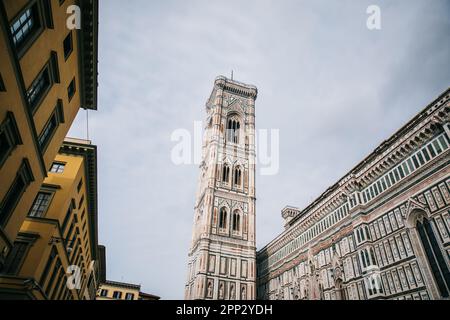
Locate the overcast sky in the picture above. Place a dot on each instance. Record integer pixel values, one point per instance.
(334, 88)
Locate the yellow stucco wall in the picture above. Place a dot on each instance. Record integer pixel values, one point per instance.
(65, 188)
(31, 63)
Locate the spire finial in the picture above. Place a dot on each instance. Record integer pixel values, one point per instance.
(231, 74)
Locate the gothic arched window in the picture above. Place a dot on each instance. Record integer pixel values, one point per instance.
(225, 173)
(237, 176)
(223, 218)
(236, 221)
(435, 257)
(340, 293)
(243, 293)
(233, 127)
(209, 292)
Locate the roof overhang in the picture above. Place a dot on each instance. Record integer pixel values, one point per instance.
(88, 53)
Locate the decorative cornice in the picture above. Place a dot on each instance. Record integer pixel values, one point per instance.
(236, 87)
(88, 53)
(122, 285)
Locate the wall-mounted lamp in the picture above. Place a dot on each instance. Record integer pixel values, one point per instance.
(55, 240)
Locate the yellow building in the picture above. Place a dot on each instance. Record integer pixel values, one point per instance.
(112, 290)
(58, 239)
(47, 73)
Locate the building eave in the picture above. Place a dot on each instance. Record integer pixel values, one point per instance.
(122, 285)
(88, 53)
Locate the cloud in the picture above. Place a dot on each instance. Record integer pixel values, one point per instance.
(333, 88)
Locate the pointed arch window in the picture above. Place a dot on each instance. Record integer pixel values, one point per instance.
(236, 221)
(237, 176)
(225, 173)
(223, 218)
(435, 257)
(233, 127)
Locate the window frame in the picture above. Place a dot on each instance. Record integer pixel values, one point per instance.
(59, 165)
(69, 53)
(58, 117)
(233, 129)
(41, 211)
(39, 27)
(51, 71)
(72, 86)
(237, 177)
(17, 255)
(128, 295)
(223, 222)
(226, 173)
(236, 222)
(11, 133)
(12, 197)
(80, 185)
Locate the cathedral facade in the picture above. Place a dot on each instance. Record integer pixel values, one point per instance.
(222, 256)
(380, 232)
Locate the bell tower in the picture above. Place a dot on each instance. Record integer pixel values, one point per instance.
(222, 256)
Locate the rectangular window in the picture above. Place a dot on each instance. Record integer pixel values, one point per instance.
(54, 68)
(129, 296)
(400, 170)
(431, 150)
(117, 295)
(47, 267)
(397, 177)
(81, 202)
(391, 175)
(43, 82)
(388, 182)
(68, 215)
(80, 185)
(68, 45)
(23, 179)
(47, 6)
(405, 168)
(443, 142)
(383, 184)
(104, 293)
(380, 189)
(40, 204)
(425, 153)
(38, 88)
(52, 124)
(410, 165)
(375, 189)
(16, 257)
(71, 89)
(57, 167)
(9, 137)
(437, 146)
(25, 26)
(416, 163)
(420, 157)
